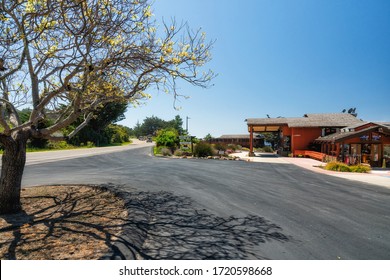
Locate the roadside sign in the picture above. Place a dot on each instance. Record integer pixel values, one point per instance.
(185, 142)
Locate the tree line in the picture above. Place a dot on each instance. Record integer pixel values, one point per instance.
(151, 125)
(101, 130)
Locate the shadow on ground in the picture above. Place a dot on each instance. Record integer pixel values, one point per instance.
(68, 222)
(80, 222)
(166, 226)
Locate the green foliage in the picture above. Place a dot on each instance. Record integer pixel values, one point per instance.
(101, 130)
(166, 151)
(177, 124)
(203, 149)
(234, 147)
(339, 166)
(272, 138)
(220, 146)
(265, 149)
(152, 124)
(180, 153)
(117, 133)
(59, 145)
(168, 137)
(360, 168)
(162, 150)
(24, 116)
(208, 137)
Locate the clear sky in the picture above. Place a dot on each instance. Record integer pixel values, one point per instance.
(282, 58)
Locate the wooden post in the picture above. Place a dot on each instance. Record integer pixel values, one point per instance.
(292, 142)
(251, 153)
(337, 151)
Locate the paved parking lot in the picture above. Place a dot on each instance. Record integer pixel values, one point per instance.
(380, 177)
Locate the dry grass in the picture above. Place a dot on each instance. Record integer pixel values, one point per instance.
(62, 222)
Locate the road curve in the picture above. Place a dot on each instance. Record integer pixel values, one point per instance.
(201, 209)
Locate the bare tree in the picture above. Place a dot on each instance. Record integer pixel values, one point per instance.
(66, 58)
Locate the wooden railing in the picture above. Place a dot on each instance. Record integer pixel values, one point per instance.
(311, 154)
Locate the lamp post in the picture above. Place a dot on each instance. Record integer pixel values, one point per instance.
(187, 118)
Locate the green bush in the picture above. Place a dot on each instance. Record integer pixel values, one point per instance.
(360, 168)
(220, 147)
(90, 144)
(60, 145)
(342, 167)
(168, 138)
(232, 147)
(180, 153)
(203, 149)
(162, 150)
(166, 151)
(337, 166)
(265, 149)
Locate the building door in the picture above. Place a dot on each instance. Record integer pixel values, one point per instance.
(366, 153)
(356, 154)
(375, 155)
(386, 155)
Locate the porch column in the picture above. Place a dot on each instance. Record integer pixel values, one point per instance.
(292, 147)
(382, 160)
(332, 150)
(251, 153)
(337, 151)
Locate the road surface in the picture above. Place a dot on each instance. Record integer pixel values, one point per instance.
(210, 209)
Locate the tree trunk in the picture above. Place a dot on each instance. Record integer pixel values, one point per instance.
(13, 162)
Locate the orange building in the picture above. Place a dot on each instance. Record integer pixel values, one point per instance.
(239, 139)
(327, 136)
(367, 143)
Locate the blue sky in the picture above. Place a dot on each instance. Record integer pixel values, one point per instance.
(282, 58)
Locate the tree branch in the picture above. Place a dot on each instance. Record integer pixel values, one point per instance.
(81, 126)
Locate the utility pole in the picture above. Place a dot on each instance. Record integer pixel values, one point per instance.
(187, 118)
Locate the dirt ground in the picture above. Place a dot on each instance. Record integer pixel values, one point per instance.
(62, 222)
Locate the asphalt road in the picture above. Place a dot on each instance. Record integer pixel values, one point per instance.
(210, 209)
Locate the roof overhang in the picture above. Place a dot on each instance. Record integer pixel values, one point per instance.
(342, 136)
(264, 128)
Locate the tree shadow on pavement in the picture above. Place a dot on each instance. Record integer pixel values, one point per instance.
(165, 226)
(63, 223)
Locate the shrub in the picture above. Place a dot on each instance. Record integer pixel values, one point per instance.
(180, 153)
(90, 144)
(162, 150)
(203, 149)
(167, 137)
(59, 145)
(265, 149)
(232, 147)
(165, 151)
(360, 168)
(337, 166)
(220, 147)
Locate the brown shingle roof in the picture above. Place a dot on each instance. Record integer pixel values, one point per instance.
(238, 136)
(336, 137)
(235, 136)
(310, 120)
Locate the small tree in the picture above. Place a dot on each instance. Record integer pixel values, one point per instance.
(68, 58)
(168, 137)
(208, 138)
